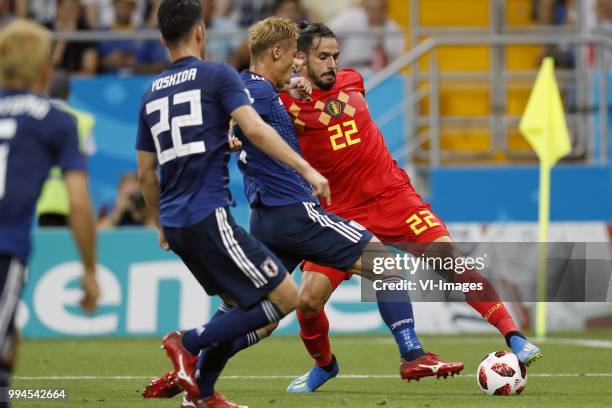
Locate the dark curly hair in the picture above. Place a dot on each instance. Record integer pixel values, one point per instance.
(310, 31)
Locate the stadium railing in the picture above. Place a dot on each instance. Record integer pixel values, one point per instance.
(413, 94)
(585, 87)
(216, 35)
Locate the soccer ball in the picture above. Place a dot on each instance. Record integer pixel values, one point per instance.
(501, 373)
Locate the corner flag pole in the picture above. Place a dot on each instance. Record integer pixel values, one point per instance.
(543, 125)
(543, 223)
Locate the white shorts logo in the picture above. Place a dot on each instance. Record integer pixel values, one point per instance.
(269, 267)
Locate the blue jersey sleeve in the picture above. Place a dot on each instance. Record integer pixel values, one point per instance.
(144, 138)
(263, 96)
(66, 140)
(231, 89)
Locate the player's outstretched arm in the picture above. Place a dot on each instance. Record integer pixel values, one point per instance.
(83, 228)
(270, 142)
(149, 184)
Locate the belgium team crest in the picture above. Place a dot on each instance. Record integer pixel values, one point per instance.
(334, 108)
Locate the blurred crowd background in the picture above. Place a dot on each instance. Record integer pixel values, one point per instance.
(229, 19)
(100, 41)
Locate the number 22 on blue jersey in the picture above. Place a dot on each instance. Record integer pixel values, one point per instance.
(174, 125)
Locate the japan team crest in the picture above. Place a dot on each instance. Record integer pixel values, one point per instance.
(269, 267)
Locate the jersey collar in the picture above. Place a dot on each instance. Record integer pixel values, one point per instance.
(249, 72)
(184, 60)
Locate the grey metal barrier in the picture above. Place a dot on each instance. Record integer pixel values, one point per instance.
(413, 94)
(496, 35)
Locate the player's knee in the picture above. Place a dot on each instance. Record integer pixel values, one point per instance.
(310, 302)
(443, 249)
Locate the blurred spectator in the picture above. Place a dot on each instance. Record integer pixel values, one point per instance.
(10, 9)
(75, 57)
(565, 12)
(293, 10)
(556, 12)
(559, 12)
(240, 58)
(218, 49)
(130, 208)
(604, 14)
(371, 52)
(604, 22)
(247, 12)
(101, 13)
(324, 10)
(7, 12)
(53, 205)
(152, 7)
(130, 56)
(43, 11)
(597, 16)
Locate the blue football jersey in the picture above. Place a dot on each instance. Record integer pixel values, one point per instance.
(184, 118)
(34, 136)
(268, 181)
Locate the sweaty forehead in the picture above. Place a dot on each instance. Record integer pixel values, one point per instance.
(327, 45)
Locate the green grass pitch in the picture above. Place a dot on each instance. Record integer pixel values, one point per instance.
(111, 373)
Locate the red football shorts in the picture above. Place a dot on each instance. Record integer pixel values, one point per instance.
(395, 216)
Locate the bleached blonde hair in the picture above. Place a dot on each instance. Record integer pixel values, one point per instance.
(25, 51)
(272, 30)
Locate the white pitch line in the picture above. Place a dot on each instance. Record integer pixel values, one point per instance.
(278, 377)
(591, 343)
(606, 344)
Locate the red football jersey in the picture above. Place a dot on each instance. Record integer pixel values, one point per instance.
(339, 138)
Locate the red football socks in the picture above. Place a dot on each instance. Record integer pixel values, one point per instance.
(496, 314)
(314, 331)
(487, 303)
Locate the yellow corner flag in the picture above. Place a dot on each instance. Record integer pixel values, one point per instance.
(543, 125)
